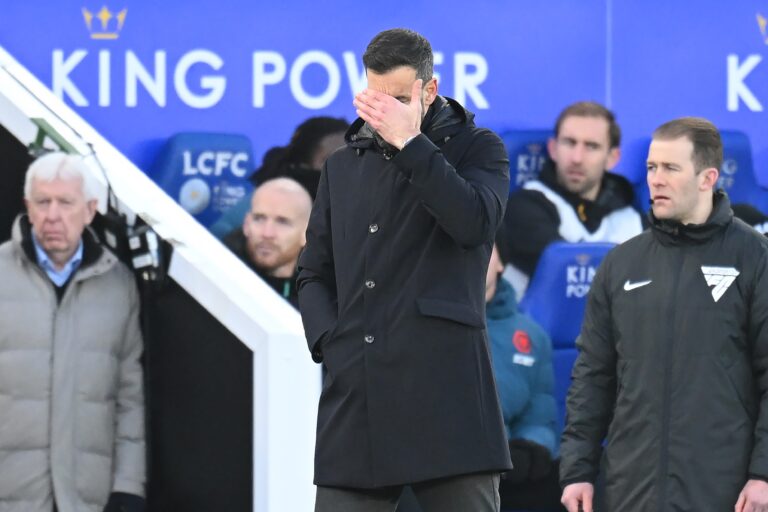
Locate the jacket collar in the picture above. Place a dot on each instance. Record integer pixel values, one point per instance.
(96, 259)
(672, 232)
(615, 193)
(444, 118)
(503, 304)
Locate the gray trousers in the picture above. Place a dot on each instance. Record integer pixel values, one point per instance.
(476, 493)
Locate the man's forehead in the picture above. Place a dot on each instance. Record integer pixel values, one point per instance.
(402, 77)
(588, 127)
(57, 186)
(275, 204)
(680, 148)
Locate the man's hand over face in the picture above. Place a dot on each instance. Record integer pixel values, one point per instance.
(394, 121)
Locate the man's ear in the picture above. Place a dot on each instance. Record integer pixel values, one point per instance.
(90, 210)
(614, 155)
(430, 91)
(551, 147)
(709, 178)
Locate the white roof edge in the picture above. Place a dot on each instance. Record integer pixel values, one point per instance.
(210, 272)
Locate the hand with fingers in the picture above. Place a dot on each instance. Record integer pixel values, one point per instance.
(753, 498)
(394, 121)
(576, 495)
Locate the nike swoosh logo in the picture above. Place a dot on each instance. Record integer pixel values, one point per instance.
(628, 286)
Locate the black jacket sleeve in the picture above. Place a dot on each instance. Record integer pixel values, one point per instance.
(468, 201)
(592, 394)
(317, 280)
(531, 223)
(758, 338)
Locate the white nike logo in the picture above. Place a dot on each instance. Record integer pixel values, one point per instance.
(628, 286)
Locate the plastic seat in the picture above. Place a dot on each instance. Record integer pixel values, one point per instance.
(556, 298)
(527, 150)
(737, 175)
(206, 173)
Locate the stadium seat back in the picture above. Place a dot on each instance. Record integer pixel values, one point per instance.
(206, 173)
(557, 293)
(556, 298)
(527, 150)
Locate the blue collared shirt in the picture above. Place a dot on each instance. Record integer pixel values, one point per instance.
(58, 277)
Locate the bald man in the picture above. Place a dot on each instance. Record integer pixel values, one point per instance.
(273, 234)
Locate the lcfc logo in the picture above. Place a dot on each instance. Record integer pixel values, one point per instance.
(104, 24)
(762, 22)
(195, 196)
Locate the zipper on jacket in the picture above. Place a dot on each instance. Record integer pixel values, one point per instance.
(666, 393)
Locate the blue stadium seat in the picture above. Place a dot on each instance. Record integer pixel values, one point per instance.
(527, 151)
(737, 175)
(556, 298)
(206, 173)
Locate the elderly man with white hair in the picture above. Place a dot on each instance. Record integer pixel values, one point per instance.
(71, 396)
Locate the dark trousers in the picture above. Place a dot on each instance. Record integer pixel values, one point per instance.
(477, 492)
(536, 496)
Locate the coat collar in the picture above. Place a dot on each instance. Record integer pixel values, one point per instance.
(671, 232)
(96, 258)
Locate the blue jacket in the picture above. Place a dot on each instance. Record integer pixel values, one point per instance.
(522, 362)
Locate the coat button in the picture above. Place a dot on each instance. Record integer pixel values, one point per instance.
(373, 228)
(368, 338)
(370, 284)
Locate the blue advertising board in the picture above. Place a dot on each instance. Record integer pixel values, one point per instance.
(141, 71)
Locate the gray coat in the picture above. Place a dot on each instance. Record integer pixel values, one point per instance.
(71, 398)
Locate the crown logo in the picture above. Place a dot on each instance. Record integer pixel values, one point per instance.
(762, 22)
(583, 259)
(534, 148)
(102, 28)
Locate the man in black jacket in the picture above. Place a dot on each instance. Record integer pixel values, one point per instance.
(391, 289)
(673, 363)
(576, 198)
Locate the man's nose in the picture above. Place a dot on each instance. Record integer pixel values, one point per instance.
(53, 212)
(268, 229)
(577, 155)
(655, 179)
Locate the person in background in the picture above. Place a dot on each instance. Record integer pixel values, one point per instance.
(521, 352)
(751, 216)
(71, 385)
(302, 160)
(273, 234)
(576, 198)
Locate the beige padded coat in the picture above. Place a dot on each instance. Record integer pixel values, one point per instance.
(71, 397)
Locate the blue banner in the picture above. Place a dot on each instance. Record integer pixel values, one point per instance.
(141, 71)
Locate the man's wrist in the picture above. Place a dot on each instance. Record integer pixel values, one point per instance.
(408, 139)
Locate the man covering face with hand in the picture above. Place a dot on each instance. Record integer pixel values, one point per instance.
(391, 289)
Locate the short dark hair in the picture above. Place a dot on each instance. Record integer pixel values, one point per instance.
(591, 109)
(308, 136)
(399, 47)
(705, 137)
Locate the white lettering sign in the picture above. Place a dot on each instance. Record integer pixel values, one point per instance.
(214, 163)
(737, 89)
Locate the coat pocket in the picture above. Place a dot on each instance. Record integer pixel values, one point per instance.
(450, 310)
